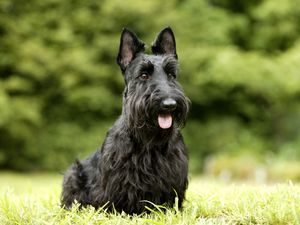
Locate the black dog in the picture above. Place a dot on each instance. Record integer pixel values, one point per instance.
(143, 159)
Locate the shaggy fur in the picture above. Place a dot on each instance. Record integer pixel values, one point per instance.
(139, 162)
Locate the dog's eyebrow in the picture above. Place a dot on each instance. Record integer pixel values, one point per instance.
(146, 66)
(170, 64)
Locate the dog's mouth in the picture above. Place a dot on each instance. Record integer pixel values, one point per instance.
(165, 121)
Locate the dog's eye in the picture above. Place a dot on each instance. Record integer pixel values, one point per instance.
(172, 75)
(144, 76)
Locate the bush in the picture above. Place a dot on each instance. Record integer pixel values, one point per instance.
(59, 80)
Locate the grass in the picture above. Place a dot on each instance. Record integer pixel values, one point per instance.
(34, 199)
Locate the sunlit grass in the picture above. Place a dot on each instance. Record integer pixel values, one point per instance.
(34, 199)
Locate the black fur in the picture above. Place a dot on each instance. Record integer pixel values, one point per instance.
(139, 162)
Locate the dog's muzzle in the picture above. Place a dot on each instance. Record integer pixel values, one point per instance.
(165, 119)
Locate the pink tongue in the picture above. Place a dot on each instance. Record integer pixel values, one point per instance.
(165, 121)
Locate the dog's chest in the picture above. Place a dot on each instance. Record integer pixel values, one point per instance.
(147, 170)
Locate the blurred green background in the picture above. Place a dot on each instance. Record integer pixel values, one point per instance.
(60, 88)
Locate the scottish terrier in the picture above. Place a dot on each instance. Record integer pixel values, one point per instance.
(143, 160)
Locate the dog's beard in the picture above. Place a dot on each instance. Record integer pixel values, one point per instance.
(142, 108)
(146, 115)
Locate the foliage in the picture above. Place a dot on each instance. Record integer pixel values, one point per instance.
(208, 202)
(60, 88)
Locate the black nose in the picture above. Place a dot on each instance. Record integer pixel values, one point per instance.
(169, 104)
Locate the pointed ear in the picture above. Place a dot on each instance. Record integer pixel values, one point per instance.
(130, 45)
(165, 43)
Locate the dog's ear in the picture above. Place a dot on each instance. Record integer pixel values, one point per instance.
(165, 43)
(130, 45)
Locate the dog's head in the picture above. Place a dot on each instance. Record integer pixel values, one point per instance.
(153, 98)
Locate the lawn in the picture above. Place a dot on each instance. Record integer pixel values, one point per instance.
(34, 199)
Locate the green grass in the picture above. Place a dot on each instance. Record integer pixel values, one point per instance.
(34, 199)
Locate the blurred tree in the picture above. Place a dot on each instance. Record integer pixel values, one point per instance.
(60, 88)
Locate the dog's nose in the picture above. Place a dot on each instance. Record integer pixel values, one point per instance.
(169, 104)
